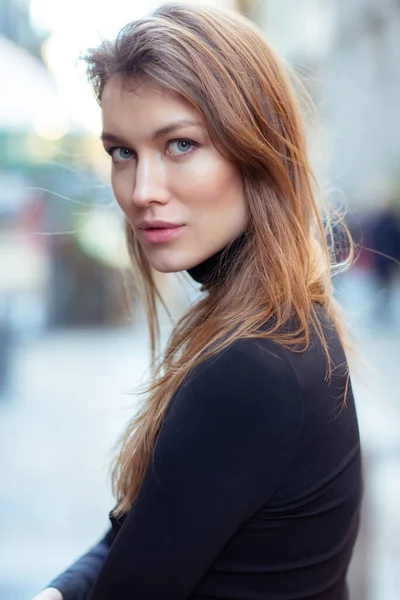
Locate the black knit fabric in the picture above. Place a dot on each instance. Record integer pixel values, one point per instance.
(215, 268)
(254, 489)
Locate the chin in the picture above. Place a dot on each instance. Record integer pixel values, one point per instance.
(171, 265)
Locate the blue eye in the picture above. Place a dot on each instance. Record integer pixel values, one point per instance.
(182, 147)
(120, 154)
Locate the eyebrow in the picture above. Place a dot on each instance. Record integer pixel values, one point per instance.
(110, 137)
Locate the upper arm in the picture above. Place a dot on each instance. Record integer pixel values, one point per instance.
(224, 446)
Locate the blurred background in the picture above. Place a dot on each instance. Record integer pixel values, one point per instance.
(71, 345)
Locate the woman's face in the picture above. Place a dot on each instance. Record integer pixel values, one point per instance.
(182, 198)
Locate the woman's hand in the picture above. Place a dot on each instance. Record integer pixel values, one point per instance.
(49, 594)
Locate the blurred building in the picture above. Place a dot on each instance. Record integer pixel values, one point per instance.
(15, 25)
(362, 82)
(47, 169)
(347, 53)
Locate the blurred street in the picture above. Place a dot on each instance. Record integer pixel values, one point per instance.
(67, 404)
(64, 411)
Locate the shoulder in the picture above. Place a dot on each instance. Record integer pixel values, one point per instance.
(250, 377)
(260, 358)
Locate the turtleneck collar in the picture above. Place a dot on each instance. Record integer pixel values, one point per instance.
(214, 268)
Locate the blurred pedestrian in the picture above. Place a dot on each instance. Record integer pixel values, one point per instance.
(241, 475)
(385, 242)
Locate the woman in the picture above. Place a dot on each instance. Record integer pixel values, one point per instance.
(241, 476)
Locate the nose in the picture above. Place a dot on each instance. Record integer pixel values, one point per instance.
(150, 183)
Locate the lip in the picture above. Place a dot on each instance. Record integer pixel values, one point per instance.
(157, 224)
(160, 232)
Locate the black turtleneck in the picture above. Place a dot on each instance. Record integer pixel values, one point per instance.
(254, 487)
(214, 267)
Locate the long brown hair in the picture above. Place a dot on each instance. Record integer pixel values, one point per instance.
(221, 63)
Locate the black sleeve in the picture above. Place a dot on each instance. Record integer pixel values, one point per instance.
(224, 447)
(76, 582)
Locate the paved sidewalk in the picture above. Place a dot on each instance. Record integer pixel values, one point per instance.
(67, 407)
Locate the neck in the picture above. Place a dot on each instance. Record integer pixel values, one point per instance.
(214, 269)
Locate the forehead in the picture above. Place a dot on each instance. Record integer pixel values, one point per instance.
(142, 103)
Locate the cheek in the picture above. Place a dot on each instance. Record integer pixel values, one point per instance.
(207, 183)
(122, 187)
(223, 189)
(229, 202)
